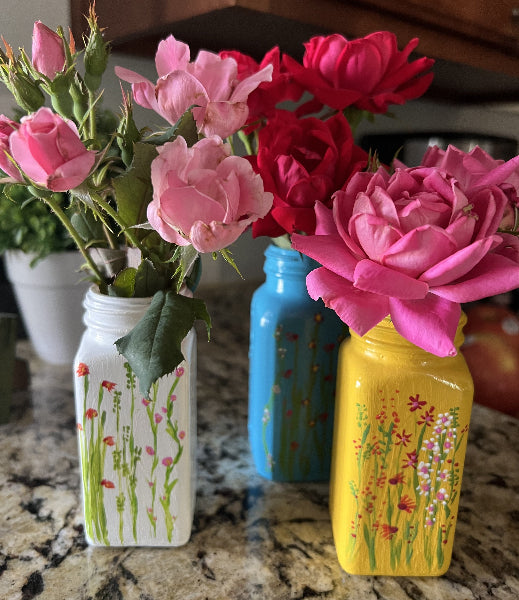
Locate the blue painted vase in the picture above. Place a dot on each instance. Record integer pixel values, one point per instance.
(293, 350)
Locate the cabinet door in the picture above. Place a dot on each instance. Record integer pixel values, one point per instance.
(486, 21)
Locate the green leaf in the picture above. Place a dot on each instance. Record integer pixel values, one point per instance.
(133, 189)
(186, 257)
(147, 280)
(124, 284)
(153, 347)
(88, 227)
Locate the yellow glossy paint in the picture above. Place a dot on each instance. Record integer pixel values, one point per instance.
(401, 427)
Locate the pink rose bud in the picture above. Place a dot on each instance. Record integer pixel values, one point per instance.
(49, 151)
(203, 196)
(48, 55)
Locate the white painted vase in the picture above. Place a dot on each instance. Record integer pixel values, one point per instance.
(138, 455)
(49, 296)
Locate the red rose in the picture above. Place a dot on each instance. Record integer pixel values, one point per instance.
(369, 73)
(302, 161)
(263, 100)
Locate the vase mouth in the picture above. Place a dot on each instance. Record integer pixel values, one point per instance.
(287, 260)
(385, 332)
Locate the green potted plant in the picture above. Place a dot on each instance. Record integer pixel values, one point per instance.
(42, 265)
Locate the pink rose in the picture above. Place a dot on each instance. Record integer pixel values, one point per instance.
(369, 73)
(263, 100)
(48, 55)
(7, 127)
(209, 82)
(203, 196)
(411, 246)
(303, 161)
(47, 148)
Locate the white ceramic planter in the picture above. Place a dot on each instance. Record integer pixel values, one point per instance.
(138, 455)
(49, 296)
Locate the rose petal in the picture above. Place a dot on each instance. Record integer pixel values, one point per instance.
(372, 277)
(327, 250)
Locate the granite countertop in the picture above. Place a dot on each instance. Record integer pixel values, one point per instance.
(252, 539)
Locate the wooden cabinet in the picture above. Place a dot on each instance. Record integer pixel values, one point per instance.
(480, 35)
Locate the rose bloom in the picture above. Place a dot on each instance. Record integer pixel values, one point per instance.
(263, 100)
(303, 161)
(204, 196)
(209, 82)
(369, 73)
(48, 55)
(7, 127)
(47, 148)
(413, 246)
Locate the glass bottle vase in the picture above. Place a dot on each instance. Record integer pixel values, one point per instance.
(293, 349)
(138, 455)
(401, 427)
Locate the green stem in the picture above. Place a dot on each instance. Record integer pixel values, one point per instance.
(54, 205)
(91, 115)
(117, 218)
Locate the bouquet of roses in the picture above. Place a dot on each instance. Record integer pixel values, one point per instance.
(141, 205)
(414, 243)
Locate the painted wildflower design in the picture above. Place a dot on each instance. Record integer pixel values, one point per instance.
(413, 456)
(115, 465)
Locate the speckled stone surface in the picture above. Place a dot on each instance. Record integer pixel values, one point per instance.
(252, 539)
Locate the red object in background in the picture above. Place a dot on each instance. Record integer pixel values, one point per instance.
(491, 350)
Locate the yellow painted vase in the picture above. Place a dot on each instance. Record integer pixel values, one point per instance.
(400, 435)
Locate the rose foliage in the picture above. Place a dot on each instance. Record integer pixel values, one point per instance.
(415, 244)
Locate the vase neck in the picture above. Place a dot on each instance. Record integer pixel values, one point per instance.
(286, 267)
(110, 317)
(384, 338)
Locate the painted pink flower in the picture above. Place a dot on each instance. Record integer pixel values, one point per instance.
(411, 245)
(91, 413)
(109, 440)
(48, 54)
(168, 461)
(108, 385)
(164, 410)
(182, 434)
(179, 371)
(82, 370)
(204, 196)
(150, 450)
(107, 484)
(79, 427)
(210, 82)
(146, 402)
(7, 127)
(158, 418)
(48, 149)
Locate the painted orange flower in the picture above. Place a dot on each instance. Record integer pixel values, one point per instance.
(388, 531)
(107, 484)
(91, 413)
(82, 370)
(109, 440)
(108, 385)
(396, 479)
(406, 503)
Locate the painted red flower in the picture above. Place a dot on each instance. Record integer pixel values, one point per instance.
(403, 438)
(91, 413)
(411, 460)
(82, 370)
(109, 485)
(388, 531)
(292, 337)
(396, 479)
(108, 385)
(287, 373)
(427, 418)
(294, 445)
(109, 440)
(406, 503)
(415, 403)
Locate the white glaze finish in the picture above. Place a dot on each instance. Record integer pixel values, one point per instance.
(252, 539)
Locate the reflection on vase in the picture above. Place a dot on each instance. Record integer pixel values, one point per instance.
(293, 357)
